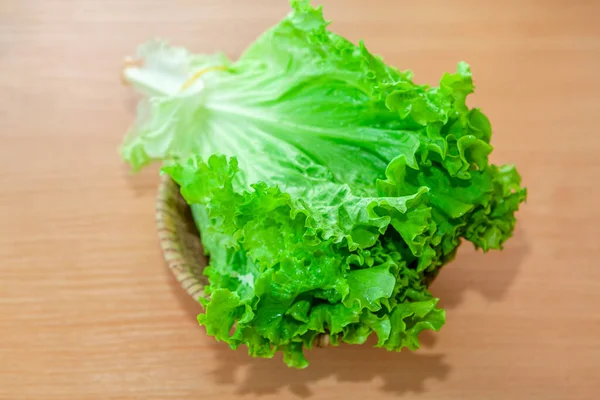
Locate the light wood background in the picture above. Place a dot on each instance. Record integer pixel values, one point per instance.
(88, 309)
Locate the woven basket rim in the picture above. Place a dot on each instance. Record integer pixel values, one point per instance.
(174, 221)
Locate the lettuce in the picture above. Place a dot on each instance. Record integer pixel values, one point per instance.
(328, 186)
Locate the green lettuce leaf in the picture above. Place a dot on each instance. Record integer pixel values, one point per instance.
(328, 186)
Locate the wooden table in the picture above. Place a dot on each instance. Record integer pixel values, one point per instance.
(88, 309)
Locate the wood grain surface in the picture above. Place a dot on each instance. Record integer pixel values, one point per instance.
(88, 309)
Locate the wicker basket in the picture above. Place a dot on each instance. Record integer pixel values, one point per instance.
(180, 242)
(179, 238)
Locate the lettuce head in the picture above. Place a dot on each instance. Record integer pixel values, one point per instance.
(328, 187)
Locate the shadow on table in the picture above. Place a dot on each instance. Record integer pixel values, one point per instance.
(396, 373)
(491, 274)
